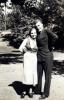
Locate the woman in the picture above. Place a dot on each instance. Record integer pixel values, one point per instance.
(29, 48)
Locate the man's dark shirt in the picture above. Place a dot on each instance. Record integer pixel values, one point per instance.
(43, 44)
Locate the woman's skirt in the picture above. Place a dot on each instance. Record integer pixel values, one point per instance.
(30, 68)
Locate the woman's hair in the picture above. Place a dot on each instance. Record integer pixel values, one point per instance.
(31, 29)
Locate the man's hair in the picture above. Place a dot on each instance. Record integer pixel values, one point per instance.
(38, 20)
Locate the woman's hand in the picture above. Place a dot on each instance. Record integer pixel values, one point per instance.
(34, 49)
(28, 46)
(24, 49)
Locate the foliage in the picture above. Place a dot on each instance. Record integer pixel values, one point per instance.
(25, 12)
(1, 19)
(20, 24)
(3, 1)
(52, 14)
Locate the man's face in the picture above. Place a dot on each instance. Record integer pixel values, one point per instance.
(39, 26)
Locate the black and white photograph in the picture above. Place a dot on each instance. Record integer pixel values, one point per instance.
(31, 49)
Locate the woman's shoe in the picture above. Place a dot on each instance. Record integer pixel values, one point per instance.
(30, 95)
(22, 95)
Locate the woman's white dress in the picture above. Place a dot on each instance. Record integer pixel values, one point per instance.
(29, 62)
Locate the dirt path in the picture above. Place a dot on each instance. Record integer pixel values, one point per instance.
(12, 73)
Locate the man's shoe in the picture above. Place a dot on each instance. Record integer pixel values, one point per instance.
(38, 92)
(43, 96)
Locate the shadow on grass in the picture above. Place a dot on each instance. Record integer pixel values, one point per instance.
(58, 67)
(15, 57)
(13, 40)
(18, 86)
(6, 58)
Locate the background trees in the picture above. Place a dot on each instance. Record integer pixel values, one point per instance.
(24, 12)
(1, 19)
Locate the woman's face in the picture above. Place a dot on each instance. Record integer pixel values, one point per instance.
(33, 33)
(39, 26)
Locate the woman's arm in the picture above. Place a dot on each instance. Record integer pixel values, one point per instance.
(22, 47)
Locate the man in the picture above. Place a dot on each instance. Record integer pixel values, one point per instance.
(45, 57)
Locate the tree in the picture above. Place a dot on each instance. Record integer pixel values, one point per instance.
(18, 2)
(1, 19)
(26, 11)
(52, 14)
(3, 1)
